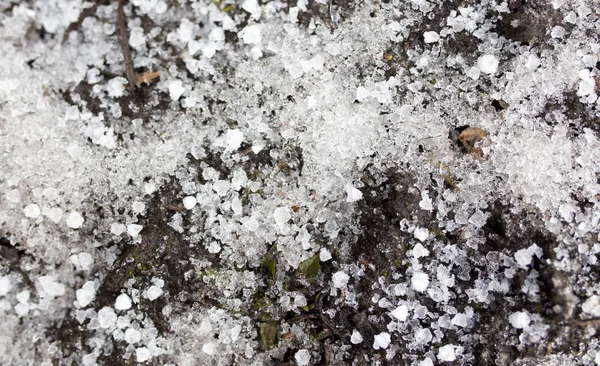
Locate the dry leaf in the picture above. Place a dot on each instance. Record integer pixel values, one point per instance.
(146, 77)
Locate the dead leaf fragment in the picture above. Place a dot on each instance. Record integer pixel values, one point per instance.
(146, 77)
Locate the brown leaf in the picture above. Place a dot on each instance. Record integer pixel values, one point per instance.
(146, 77)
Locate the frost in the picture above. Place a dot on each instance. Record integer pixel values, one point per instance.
(519, 320)
(488, 64)
(340, 279)
(446, 353)
(86, 294)
(382, 341)
(106, 317)
(74, 220)
(302, 357)
(356, 337)
(123, 302)
(420, 281)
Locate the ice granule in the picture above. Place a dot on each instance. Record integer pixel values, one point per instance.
(154, 293)
(32, 211)
(446, 353)
(252, 7)
(116, 87)
(142, 354)
(209, 348)
(221, 187)
(460, 320)
(106, 317)
(488, 64)
(362, 93)
(519, 320)
(356, 337)
(423, 336)
(324, 255)
(558, 32)
(426, 362)
(13, 196)
(382, 341)
(235, 332)
(186, 30)
(132, 336)
(425, 203)
(251, 34)
(89, 360)
(419, 251)
(592, 306)
(75, 220)
(86, 294)
(419, 281)
(22, 309)
(302, 357)
(176, 89)
(117, 228)
(51, 288)
(138, 207)
(525, 256)
(214, 248)
(431, 37)
(353, 194)
(189, 202)
(282, 215)
(233, 139)
(5, 285)
(400, 313)
(54, 214)
(134, 230)
(421, 234)
(123, 302)
(533, 62)
(205, 327)
(136, 37)
(340, 279)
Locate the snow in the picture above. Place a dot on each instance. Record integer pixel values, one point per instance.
(234, 139)
(419, 251)
(154, 293)
(123, 302)
(356, 337)
(460, 320)
(340, 279)
(132, 336)
(142, 354)
(324, 255)
(519, 319)
(134, 230)
(189, 202)
(431, 37)
(382, 341)
(86, 294)
(251, 34)
(446, 353)
(302, 357)
(421, 234)
(176, 89)
(591, 306)
(117, 228)
(51, 287)
(423, 336)
(106, 317)
(5, 285)
(488, 64)
(419, 281)
(74, 220)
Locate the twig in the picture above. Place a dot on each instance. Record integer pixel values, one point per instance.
(124, 40)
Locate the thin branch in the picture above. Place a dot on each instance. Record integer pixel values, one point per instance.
(124, 40)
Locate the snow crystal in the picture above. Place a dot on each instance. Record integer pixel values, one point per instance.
(419, 251)
(400, 313)
(75, 220)
(592, 306)
(423, 336)
(340, 279)
(221, 187)
(86, 294)
(142, 354)
(176, 89)
(431, 37)
(302, 357)
(134, 230)
(324, 255)
(488, 64)
(356, 337)
(353, 194)
(251, 35)
(460, 320)
(382, 341)
(123, 302)
(421, 234)
(419, 281)
(154, 293)
(32, 211)
(132, 336)
(446, 353)
(519, 320)
(234, 139)
(189, 202)
(106, 317)
(5, 285)
(117, 228)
